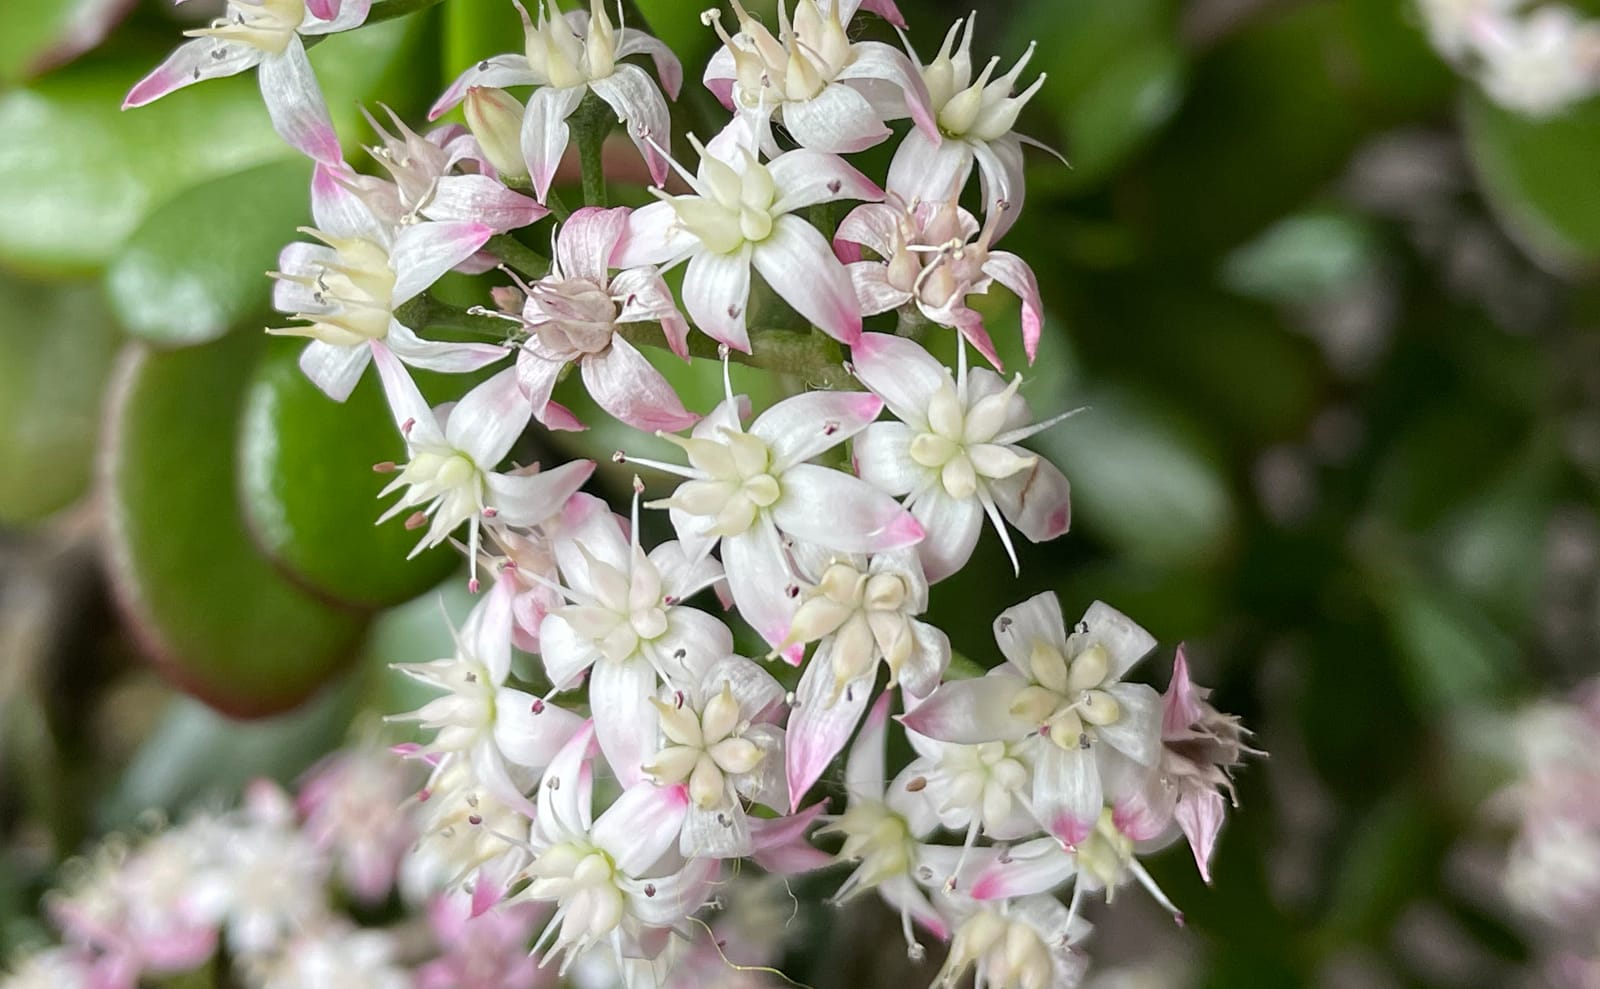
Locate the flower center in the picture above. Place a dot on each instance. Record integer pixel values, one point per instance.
(1008, 953)
(570, 318)
(627, 608)
(560, 57)
(1066, 698)
(266, 25)
(982, 779)
(706, 748)
(353, 292)
(958, 440)
(583, 879)
(736, 482)
(807, 54)
(877, 837)
(731, 207)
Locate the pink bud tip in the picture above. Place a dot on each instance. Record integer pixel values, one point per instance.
(416, 520)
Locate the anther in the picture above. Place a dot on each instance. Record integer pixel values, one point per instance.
(416, 520)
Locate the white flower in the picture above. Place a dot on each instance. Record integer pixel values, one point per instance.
(346, 957)
(830, 93)
(1028, 943)
(1539, 64)
(1064, 695)
(954, 453)
(717, 744)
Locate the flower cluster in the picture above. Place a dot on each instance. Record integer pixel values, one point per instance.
(1538, 62)
(618, 775)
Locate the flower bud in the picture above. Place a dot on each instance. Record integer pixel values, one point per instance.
(495, 118)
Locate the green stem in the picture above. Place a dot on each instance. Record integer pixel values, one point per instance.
(387, 10)
(557, 205)
(591, 124)
(518, 255)
(428, 313)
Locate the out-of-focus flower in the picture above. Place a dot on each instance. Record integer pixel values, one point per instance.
(1027, 943)
(1538, 64)
(484, 951)
(354, 808)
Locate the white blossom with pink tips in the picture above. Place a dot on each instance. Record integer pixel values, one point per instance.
(953, 453)
(934, 255)
(616, 880)
(718, 739)
(1064, 697)
(975, 120)
(750, 489)
(830, 92)
(266, 35)
(574, 314)
(450, 476)
(741, 215)
(627, 625)
(567, 55)
(346, 289)
(498, 731)
(860, 611)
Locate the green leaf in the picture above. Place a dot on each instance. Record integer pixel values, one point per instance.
(78, 175)
(56, 349)
(27, 30)
(1112, 116)
(309, 494)
(185, 279)
(1539, 175)
(1141, 479)
(216, 617)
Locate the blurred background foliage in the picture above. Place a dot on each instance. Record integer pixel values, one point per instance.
(1330, 315)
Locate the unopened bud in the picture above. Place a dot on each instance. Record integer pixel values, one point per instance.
(495, 117)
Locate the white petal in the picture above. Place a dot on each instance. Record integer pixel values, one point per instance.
(1036, 620)
(758, 578)
(1125, 641)
(637, 101)
(625, 722)
(932, 171)
(449, 357)
(564, 652)
(1038, 502)
(487, 421)
(410, 410)
(797, 263)
(668, 68)
(806, 425)
(874, 225)
(486, 634)
(653, 236)
(971, 712)
(952, 529)
(721, 832)
(716, 293)
(700, 638)
(843, 512)
(545, 133)
(294, 102)
(482, 199)
(1137, 733)
(753, 688)
(529, 499)
(642, 825)
(819, 726)
(423, 252)
(837, 120)
(881, 456)
(500, 72)
(864, 772)
(628, 386)
(335, 370)
(1028, 868)
(529, 732)
(899, 371)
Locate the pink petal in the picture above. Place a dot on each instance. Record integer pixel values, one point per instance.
(528, 499)
(842, 512)
(1182, 705)
(720, 76)
(537, 376)
(586, 240)
(1038, 502)
(877, 62)
(346, 15)
(499, 72)
(488, 419)
(545, 134)
(797, 263)
(637, 101)
(819, 726)
(1014, 273)
(781, 845)
(901, 372)
(1199, 814)
(716, 292)
(646, 298)
(971, 712)
(423, 252)
(1028, 868)
(325, 10)
(481, 198)
(628, 386)
(886, 10)
(294, 102)
(668, 68)
(1067, 797)
(874, 225)
(838, 120)
(864, 772)
(642, 825)
(929, 170)
(804, 426)
(805, 178)
(874, 293)
(191, 62)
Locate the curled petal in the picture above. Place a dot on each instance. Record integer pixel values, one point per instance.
(1000, 178)
(1014, 273)
(646, 298)
(874, 292)
(892, 83)
(638, 102)
(567, 788)
(1199, 814)
(528, 499)
(929, 170)
(499, 72)
(586, 241)
(668, 68)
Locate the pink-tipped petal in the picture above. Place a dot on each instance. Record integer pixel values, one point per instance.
(668, 69)
(642, 825)
(1182, 705)
(1067, 795)
(842, 512)
(820, 725)
(499, 72)
(484, 200)
(486, 634)
(800, 428)
(905, 94)
(294, 102)
(1014, 273)
(953, 527)
(1037, 501)
(625, 722)
(971, 712)
(798, 264)
(488, 419)
(758, 577)
(646, 298)
(1199, 815)
(901, 372)
(528, 499)
(639, 104)
(864, 772)
(653, 236)
(806, 177)
(545, 134)
(423, 252)
(628, 386)
(567, 788)
(586, 241)
(410, 410)
(1027, 868)
(193, 61)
